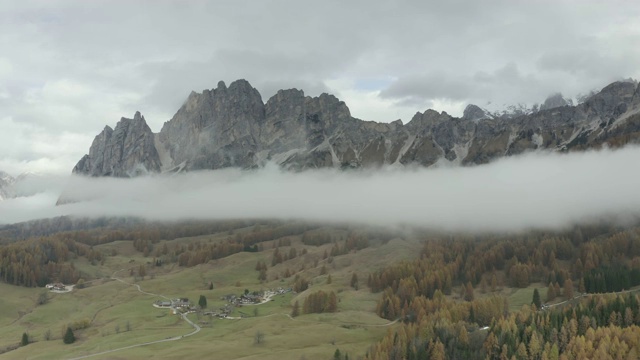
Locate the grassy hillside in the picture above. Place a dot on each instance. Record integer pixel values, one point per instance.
(444, 288)
(118, 315)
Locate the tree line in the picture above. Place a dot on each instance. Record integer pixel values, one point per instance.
(420, 293)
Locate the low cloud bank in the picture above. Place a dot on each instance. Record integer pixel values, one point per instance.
(539, 190)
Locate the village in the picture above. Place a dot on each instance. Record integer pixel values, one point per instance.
(248, 298)
(59, 287)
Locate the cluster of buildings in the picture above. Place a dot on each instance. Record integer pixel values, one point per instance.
(252, 298)
(222, 312)
(56, 287)
(182, 305)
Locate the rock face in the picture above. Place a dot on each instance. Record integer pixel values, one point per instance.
(555, 101)
(233, 127)
(474, 113)
(126, 151)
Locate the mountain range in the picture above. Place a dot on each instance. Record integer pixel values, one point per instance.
(232, 127)
(25, 184)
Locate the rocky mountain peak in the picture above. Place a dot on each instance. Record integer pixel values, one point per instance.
(474, 113)
(125, 151)
(554, 101)
(232, 127)
(613, 100)
(619, 90)
(328, 102)
(429, 119)
(240, 84)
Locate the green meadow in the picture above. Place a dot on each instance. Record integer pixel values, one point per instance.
(114, 315)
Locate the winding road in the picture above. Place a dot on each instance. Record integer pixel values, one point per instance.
(196, 328)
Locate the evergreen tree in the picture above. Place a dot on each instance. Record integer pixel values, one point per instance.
(337, 355)
(69, 337)
(25, 339)
(202, 302)
(536, 299)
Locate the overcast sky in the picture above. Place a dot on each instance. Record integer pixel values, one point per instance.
(68, 68)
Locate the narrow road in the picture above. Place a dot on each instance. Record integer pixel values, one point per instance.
(196, 328)
(194, 325)
(113, 276)
(579, 296)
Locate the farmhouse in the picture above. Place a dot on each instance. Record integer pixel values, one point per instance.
(181, 303)
(56, 287)
(163, 303)
(249, 299)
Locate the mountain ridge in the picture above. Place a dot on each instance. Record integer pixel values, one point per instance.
(233, 127)
(25, 184)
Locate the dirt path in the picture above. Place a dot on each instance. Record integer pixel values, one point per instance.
(196, 328)
(113, 276)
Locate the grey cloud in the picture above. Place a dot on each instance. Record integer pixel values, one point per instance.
(23, 145)
(415, 89)
(310, 87)
(128, 56)
(593, 67)
(537, 190)
(481, 86)
(267, 71)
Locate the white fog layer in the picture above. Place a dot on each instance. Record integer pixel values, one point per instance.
(535, 190)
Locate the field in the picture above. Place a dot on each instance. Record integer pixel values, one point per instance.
(519, 297)
(117, 315)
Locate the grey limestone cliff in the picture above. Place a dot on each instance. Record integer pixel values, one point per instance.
(232, 127)
(126, 151)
